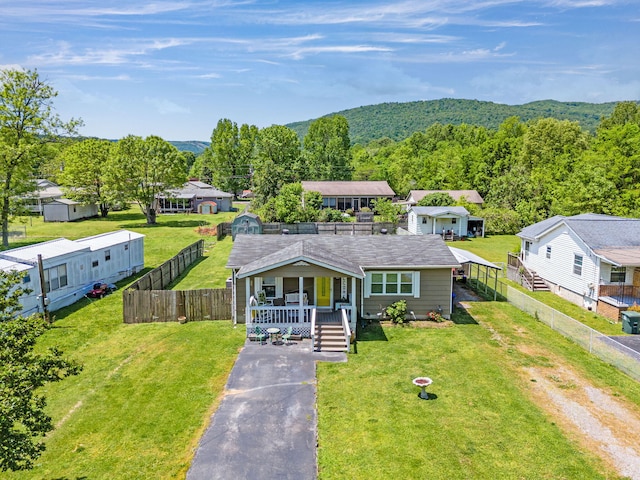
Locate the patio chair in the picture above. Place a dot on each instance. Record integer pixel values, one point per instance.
(287, 335)
(259, 335)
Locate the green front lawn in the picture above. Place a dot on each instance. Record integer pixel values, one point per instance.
(482, 423)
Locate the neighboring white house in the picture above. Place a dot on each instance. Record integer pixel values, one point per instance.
(72, 267)
(592, 260)
(45, 192)
(453, 221)
(65, 210)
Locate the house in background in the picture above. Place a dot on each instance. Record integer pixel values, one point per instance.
(45, 192)
(65, 210)
(592, 260)
(450, 222)
(71, 268)
(337, 279)
(195, 197)
(470, 196)
(349, 195)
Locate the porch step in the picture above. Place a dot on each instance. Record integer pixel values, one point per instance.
(330, 338)
(539, 285)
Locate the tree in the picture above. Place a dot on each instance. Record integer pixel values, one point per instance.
(437, 199)
(23, 370)
(27, 123)
(277, 162)
(387, 210)
(143, 169)
(292, 204)
(327, 149)
(230, 155)
(85, 165)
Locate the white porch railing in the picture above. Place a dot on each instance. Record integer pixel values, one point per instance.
(346, 328)
(268, 316)
(312, 327)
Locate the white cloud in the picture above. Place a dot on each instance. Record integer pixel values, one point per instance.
(165, 107)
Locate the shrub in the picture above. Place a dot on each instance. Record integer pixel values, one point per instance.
(349, 211)
(435, 316)
(397, 311)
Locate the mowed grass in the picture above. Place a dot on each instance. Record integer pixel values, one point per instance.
(147, 391)
(480, 424)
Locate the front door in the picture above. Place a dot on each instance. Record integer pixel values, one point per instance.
(323, 292)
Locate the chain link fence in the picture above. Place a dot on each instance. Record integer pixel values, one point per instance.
(606, 348)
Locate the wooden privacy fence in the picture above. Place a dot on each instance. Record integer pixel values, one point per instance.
(161, 277)
(141, 306)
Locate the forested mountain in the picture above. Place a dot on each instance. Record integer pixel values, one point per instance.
(194, 146)
(399, 120)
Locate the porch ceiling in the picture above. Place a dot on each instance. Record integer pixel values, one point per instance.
(301, 251)
(620, 256)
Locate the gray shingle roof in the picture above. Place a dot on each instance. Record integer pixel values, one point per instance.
(596, 231)
(370, 251)
(304, 249)
(347, 188)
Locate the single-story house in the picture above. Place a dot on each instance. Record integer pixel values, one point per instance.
(195, 197)
(592, 260)
(72, 267)
(450, 222)
(341, 279)
(46, 191)
(346, 195)
(65, 210)
(471, 196)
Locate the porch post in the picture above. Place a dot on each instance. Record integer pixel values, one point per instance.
(247, 313)
(301, 299)
(234, 307)
(353, 317)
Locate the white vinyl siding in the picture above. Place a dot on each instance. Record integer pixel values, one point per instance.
(565, 245)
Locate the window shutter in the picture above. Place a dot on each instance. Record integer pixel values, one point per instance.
(279, 287)
(416, 284)
(367, 285)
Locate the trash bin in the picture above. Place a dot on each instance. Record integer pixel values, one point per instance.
(630, 322)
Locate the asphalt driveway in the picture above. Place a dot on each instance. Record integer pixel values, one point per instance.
(265, 426)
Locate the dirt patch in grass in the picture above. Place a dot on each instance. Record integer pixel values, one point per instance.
(607, 426)
(419, 324)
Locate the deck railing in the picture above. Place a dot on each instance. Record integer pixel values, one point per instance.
(624, 291)
(266, 316)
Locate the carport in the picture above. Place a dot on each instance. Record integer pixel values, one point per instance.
(467, 258)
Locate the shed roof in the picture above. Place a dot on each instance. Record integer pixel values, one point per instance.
(366, 252)
(347, 188)
(9, 265)
(64, 201)
(472, 196)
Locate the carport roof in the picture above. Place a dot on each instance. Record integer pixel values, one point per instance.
(463, 256)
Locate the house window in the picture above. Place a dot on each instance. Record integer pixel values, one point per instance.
(392, 283)
(548, 251)
(95, 263)
(424, 219)
(55, 278)
(618, 274)
(126, 246)
(453, 221)
(577, 264)
(107, 255)
(269, 286)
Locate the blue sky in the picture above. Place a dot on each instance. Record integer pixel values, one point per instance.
(174, 68)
